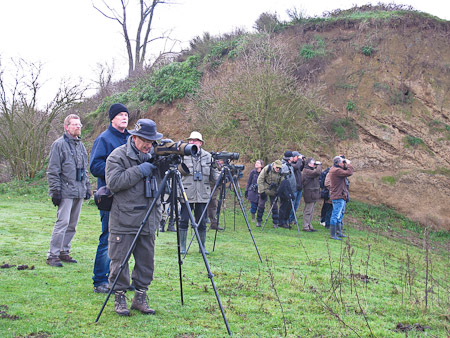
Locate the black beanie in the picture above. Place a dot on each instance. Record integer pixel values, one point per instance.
(288, 154)
(115, 109)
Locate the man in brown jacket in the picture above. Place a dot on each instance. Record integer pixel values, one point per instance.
(311, 191)
(339, 172)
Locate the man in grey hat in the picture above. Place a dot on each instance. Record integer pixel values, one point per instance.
(127, 168)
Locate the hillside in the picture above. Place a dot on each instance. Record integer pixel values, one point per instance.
(381, 80)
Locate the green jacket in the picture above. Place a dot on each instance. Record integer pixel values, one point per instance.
(130, 205)
(269, 180)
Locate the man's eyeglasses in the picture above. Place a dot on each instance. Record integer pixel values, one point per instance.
(145, 140)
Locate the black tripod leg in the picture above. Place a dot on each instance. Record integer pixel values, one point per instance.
(241, 204)
(202, 249)
(133, 244)
(270, 211)
(219, 180)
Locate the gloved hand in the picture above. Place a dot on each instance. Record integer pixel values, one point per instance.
(263, 195)
(246, 194)
(146, 169)
(88, 195)
(56, 198)
(292, 196)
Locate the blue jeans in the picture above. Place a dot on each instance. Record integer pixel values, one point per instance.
(101, 263)
(253, 208)
(338, 212)
(298, 197)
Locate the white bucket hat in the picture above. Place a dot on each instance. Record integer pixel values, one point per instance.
(196, 135)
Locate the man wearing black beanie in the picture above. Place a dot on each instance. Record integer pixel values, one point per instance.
(113, 137)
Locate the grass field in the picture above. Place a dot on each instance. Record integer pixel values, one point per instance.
(382, 281)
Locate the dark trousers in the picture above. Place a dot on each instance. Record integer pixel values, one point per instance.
(261, 206)
(143, 254)
(285, 210)
(197, 209)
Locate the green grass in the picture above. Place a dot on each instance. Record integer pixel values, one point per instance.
(314, 285)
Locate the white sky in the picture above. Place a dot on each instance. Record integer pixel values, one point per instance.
(70, 37)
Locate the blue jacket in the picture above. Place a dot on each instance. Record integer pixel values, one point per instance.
(104, 144)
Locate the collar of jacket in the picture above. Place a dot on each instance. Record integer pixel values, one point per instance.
(69, 137)
(131, 152)
(117, 132)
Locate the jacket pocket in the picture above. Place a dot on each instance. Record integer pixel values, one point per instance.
(131, 216)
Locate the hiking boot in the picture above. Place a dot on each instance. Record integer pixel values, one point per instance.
(67, 259)
(120, 304)
(215, 227)
(253, 217)
(285, 226)
(54, 261)
(140, 303)
(275, 226)
(258, 224)
(103, 288)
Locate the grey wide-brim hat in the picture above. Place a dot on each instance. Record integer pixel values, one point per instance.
(146, 128)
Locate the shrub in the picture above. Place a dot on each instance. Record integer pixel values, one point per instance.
(367, 50)
(390, 180)
(413, 141)
(317, 49)
(344, 128)
(350, 105)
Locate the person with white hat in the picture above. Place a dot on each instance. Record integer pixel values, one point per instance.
(197, 188)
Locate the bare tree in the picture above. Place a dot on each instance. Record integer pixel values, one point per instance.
(136, 61)
(25, 127)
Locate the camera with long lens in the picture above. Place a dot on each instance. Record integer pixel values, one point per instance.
(176, 148)
(237, 170)
(225, 156)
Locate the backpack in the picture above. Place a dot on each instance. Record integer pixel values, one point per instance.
(324, 192)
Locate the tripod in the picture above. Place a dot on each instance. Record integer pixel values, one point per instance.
(226, 173)
(293, 209)
(174, 177)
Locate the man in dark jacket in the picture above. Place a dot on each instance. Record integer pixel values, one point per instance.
(297, 162)
(251, 190)
(68, 185)
(113, 137)
(338, 174)
(311, 191)
(287, 196)
(127, 169)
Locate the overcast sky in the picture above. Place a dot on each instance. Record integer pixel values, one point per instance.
(69, 37)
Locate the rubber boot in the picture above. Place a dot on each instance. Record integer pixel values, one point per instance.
(202, 234)
(253, 217)
(333, 232)
(183, 234)
(140, 303)
(339, 230)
